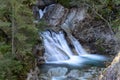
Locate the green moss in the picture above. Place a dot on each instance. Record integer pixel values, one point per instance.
(100, 46)
(4, 48)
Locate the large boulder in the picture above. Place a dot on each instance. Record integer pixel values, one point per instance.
(73, 18)
(55, 14)
(113, 71)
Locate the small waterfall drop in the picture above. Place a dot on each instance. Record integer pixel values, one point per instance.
(78, 47)
(58, 51)
(42, 12)
(56, 47)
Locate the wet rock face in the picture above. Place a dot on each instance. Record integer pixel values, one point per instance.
(40, 4)
(97, 36)
(113, 71)
(57, 72)
(58, 15)
(55, 15)
(73, 18)
(38, 53)
(61, 16)
(63, 73)
(35, 12)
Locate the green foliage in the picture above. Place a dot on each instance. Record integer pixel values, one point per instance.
(26, 34)
(65, 3)
(9, 67)
(109, 10)
(42, 25)
(5, 12)
(116, 23)
(4, 24)
(12, 68)
(4, 48)
(26, 30)
(100, 45)
(15, 66)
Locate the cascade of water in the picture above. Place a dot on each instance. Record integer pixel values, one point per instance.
(57, 50)
(64, 44)
(56, 47)
(78, 47)
(41, 13)
(82, 52)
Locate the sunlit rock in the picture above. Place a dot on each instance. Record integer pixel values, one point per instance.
(113, 71)
(73, 18)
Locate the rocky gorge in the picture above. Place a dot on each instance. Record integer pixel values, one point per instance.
(94, 35)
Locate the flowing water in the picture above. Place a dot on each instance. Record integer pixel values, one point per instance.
(57, 50)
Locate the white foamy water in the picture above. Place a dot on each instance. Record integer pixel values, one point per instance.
(57, 50)
(42, 12)
(56, 47)
(78, 47)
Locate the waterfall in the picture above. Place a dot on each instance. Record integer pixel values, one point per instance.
(78, 47)
(58, 51)
(42, 12)
(56, 47)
